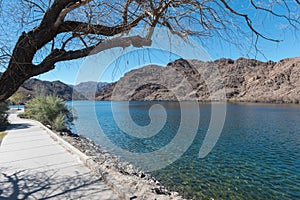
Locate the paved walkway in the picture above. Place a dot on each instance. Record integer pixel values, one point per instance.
(34, 166)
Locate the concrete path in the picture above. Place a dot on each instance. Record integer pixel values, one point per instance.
(34, 166)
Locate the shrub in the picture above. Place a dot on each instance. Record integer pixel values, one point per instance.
(17, 99)
(50, 110)
(3, 115)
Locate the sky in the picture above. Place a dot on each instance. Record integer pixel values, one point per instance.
(111, 65)
(67, 72)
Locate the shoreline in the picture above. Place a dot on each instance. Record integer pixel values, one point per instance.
(142, 185)
(37, 164)
(124, 178)
(229, 101)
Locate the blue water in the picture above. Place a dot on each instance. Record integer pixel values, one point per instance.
(16, 106)
(256, 157)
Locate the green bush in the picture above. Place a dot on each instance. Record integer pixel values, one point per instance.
(3, 115)
(50, 110)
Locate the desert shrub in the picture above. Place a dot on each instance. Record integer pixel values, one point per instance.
(50, 110)
(22, 115)
(3, 115)
(17, 99)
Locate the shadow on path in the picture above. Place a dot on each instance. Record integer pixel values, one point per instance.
(44, 171)
(40, 185)
(18, 126)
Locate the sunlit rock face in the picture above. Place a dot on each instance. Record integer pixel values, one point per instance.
(243, 79)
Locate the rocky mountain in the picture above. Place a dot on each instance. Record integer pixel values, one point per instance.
(89, 88)
(35, 87)
(243, 79)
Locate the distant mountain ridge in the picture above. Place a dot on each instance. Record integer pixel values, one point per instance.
(84, 91)
(88, 89)
(35, 87)
(245, 80)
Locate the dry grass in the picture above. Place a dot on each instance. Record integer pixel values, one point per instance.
(2, 135)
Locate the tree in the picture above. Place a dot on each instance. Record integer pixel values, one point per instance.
(56, 27)
(3, 115)
(17, 99)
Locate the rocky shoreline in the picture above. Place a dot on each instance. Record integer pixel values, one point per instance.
(133, 179)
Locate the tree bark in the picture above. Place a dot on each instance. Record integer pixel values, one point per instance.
(20, 67)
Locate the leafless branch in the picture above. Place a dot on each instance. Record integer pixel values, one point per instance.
(86, 28)
(59, 55)
(36, 5)
(248, 21)
(71, 6)
(289, 19)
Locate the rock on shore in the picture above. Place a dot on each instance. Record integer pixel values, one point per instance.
(134, 180)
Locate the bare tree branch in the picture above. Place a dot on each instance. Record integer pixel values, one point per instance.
(71, 6)
(86, 28)
(290, 20)
(36, 5)
(249, 22)
(59, 55)
(125, 13)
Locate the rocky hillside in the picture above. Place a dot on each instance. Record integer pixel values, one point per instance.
(89, 88)
(35, 87)
(244, 80)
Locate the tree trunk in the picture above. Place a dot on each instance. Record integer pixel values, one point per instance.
(10, 81)
(15, 76)
(20, 67)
